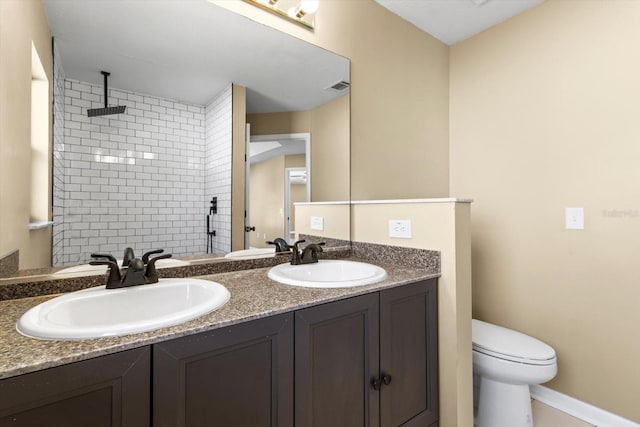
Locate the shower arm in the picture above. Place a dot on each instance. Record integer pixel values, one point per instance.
(106, 89)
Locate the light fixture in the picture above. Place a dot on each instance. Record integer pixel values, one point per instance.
(307, 7)
(300, 11)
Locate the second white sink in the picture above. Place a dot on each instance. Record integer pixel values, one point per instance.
(328, 274)
(253, 253)
(99, 312)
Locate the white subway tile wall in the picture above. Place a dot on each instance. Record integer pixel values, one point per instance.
(59, 226)
(218, 165)
(134, 179)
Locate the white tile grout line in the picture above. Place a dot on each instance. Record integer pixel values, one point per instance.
(582, 410)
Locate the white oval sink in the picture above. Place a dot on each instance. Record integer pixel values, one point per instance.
(99, 312)
(328, 274)
(252, 253)
(89, 269)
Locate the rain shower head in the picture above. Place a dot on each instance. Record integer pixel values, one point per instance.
(106, 110)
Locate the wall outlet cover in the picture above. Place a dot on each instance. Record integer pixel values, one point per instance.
(574, 218)
(317, 223)
(400, 228)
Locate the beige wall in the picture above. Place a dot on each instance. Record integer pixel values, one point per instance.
(544, 116)
(329, 128)
(336, 219)
(399, 95)
(277, 123)
(330, 151)
(444, 227)
(21, 23)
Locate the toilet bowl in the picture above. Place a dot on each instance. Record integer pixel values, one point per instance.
(507, 362)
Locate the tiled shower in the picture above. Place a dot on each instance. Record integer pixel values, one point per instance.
(142, 178)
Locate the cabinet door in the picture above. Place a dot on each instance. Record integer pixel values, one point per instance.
(236, 376)
(107, 391)
(409, 355)
(336, 348)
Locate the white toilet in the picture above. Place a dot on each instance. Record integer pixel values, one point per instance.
(506, 362)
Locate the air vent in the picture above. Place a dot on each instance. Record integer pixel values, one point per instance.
(339, 87)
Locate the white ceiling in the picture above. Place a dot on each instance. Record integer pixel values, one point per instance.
(190, 50)
(451, 21)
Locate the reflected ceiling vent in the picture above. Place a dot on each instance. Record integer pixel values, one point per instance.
(339, 87)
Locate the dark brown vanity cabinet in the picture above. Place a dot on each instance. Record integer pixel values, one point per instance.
(233, 377)
(369, 360)
(107, 391)
(409, 355)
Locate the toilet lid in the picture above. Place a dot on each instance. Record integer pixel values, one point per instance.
(511, 345)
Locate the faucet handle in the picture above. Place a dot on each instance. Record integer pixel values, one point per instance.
(113, 281)
(310, 253)
(107, 256)
(281, 244)
(295, 257)
(145, 257)
(151, 274)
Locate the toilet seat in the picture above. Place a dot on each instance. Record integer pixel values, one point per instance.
(507, 344)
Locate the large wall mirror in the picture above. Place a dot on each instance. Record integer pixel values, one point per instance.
(189, 73)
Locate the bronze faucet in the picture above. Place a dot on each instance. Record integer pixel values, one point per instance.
(137, 272)
(309, 254)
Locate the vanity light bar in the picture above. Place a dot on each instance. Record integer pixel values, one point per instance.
(299, 11)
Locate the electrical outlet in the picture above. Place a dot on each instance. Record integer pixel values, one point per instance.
(400, 228)
(317, 223)
(574, 218)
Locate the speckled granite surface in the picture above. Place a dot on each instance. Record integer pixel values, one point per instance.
(29, 286)
(9, 263)
(408, 257)
(253, 296)
(329, 242)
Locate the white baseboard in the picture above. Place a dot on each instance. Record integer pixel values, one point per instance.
(584, 411)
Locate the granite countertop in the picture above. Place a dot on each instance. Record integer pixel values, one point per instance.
(22, 286)
(253, 296)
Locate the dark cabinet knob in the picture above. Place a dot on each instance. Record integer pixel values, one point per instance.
(386, 379)
(250, 228)
(375, 383)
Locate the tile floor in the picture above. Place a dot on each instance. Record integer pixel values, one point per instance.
(547, 416)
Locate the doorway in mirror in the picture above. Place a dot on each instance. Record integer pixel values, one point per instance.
(272, 161)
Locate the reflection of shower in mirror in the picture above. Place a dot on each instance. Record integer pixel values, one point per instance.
(174, 139)
(213, 209)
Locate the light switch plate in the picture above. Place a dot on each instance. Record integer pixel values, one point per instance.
(317, 223)
(400, 228)
(574, 218)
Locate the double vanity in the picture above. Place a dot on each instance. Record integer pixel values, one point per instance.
(345, 342)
